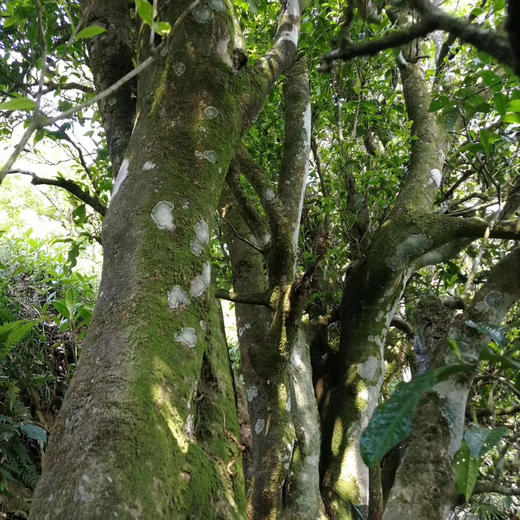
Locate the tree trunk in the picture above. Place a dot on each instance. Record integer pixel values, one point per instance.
(146, 428)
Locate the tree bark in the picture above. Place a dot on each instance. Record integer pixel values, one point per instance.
(144, 429)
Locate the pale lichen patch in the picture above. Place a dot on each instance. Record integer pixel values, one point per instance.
(210, 112)
(242, 330)
(259, 426)
(211, 156)
(179, 68)
(121, 176)
(251, 393)
(187, 337)
(369, 370)
(200, 283)
(177, 298)
(269, 195)
(202, 14)
(217, 5)
(436, 177)
(162, 215)
(147, 166)
(413, 246)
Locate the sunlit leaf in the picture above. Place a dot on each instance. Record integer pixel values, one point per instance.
(19, 103)
(90, 32)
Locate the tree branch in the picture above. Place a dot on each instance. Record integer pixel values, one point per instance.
(491, 487)
(253, 299)
(69, 186)
(433, 19)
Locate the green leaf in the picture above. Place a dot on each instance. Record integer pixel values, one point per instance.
(20, 103)
(502, 361)
(145, 11)
(34, 432)
(90, 32)
(466, 471)
(514, 105)
(490, 78)
(512, 117)
(500, 103)
(455, 348)
(480, 439)
(61, 307)
(163, 28)
(392, 421)
(492, 333)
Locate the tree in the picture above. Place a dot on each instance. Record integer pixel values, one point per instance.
(149, 428)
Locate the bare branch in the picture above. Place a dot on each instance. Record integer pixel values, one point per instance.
(69, 186)
(253, 299)
(433, 19)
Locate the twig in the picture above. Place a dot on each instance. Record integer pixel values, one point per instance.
(34, 123)
(245, 240)
(69, 186)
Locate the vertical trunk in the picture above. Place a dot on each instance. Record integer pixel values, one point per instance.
(144, 429)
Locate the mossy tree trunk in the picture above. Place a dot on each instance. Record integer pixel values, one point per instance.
(411, 236)
(147, 427)
(275, 351)
(424, 485)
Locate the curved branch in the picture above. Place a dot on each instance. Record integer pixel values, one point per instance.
(69, 186)
(433, 19)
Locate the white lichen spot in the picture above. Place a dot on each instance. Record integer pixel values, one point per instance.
(217, 5)
(162, 215)
(380, 316)
(202, 14)
(265, 240)
(288, 405)
(251, 393)
(202, 232)
(200, 283)
(189, 427)
(187, 337)
(210, 112)
(179, 68)
(436, 177)
(196, 247)
(369, 370)
(222, 49)
(259, 426)
(121, 176)
(210, 156)
(242, 330)
(147, 166)
(177, 298)
(84, 492)
(296, 360)
(291, 35)
(112, 101)
(203, 325)
(186, 205)
(269, 194)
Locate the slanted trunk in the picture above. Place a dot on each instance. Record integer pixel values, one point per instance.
(424, 485)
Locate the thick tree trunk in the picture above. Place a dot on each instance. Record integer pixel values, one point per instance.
(146, 428)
